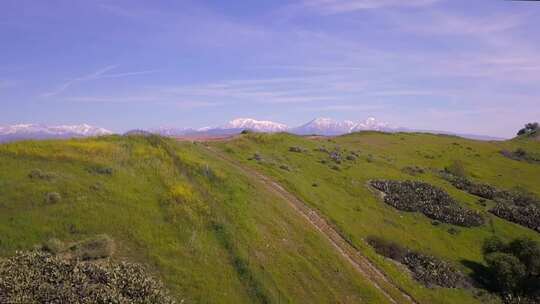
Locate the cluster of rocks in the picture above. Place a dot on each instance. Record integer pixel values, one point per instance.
(515, 206)
(433, 202)
(42, 277)
(426, 269)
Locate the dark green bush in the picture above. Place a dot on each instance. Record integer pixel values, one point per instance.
(508, 273)
(514, 268)
(531, 128)
(387, 249)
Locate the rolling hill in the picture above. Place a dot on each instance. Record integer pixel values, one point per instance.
(260, 218)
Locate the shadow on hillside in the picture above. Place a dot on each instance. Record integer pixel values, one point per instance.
(480, 275)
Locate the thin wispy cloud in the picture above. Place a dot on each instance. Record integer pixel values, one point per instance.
(99, 74)
(345, 6)
(347, 57)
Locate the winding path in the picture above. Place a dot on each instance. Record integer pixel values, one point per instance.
(377, 278)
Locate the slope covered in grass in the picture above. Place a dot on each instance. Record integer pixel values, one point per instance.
(332, 176)
(207, 231)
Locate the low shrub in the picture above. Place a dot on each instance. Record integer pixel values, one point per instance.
(351, 157)
(54, 246)
(297, 149)
(40, 277)
(256, 156)
(433, 202)
(53, 198)
(517, 205)
(413, 170)
(432, 271)
(101, 170)
(456, 168)
(426, 269)
(527, 216)
(95, 248)
(38, 174)
(387, 249)
(521, 155)
(462, 183)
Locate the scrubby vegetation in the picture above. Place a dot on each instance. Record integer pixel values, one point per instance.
(428, 270)
(514, 269)
(432, 201)
(42, 277)
(517, 205)
(413, 170)
(521, 155)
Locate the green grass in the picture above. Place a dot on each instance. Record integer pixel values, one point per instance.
(345, 200)
(211, 234)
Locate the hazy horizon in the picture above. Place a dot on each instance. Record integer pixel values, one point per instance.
(419, 64)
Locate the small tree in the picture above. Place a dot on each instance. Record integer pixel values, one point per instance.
(507, 271)
(493, 244)
(530, 129)
(528, 252)
(514, 266)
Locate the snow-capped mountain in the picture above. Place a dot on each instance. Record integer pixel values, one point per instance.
(37, 131)
(164, 131)
(256, 125)
(330, 127)
(232, 127)
(318, 126)
(372, 124)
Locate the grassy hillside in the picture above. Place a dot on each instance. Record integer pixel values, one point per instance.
(340, 192)
(211, 234)
(215, 235)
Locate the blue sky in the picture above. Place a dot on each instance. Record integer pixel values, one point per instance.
(456, 65)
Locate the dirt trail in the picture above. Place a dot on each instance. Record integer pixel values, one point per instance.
(392, 292)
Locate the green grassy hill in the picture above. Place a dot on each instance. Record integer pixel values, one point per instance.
(216, 235)
(340, 192)
(208, 232)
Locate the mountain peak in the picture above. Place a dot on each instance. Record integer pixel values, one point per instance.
(328, 126)
(39, 131)
(256, 125)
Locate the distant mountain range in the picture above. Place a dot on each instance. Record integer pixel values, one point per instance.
(318, 126)
(37, 131)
